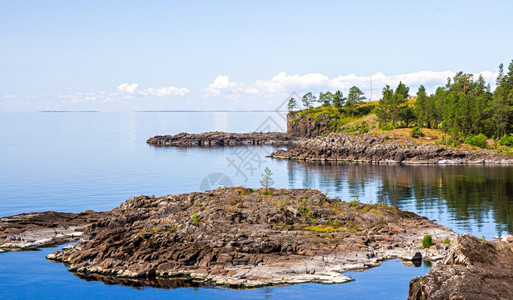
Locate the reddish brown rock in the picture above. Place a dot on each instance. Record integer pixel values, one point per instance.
(371, 148)
(241, 237)
(473, 269)
(33, 230)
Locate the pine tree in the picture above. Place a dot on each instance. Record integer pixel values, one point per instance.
(308, 100)
(267, 179)
(384, 105)
(338, 99)
(292, 104)
(421, 107)
(500, 108)
(355, 96)
(325, 99)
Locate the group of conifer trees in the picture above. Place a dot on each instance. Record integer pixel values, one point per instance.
(464, 106)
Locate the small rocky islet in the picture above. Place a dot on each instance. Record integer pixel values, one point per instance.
(242, 237)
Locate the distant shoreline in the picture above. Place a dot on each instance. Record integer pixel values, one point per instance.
(160, 111)
(68, 111)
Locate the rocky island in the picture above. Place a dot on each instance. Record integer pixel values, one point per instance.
(243, 237)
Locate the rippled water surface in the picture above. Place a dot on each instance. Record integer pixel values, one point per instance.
(78, 161)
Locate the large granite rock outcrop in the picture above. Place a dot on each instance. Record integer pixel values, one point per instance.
(242, 237)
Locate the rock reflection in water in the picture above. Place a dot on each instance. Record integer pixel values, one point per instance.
(162, 283)
(466, 198)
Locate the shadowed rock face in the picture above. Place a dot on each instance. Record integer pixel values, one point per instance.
(473, 269)
(244, 238)
(211, 139)
(370, 148)
(32, 230)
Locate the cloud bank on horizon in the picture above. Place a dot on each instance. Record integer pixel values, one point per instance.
(133, 88)
(242, 95)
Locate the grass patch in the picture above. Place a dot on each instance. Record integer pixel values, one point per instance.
(195, 218)
(322, 229)
(427, 241)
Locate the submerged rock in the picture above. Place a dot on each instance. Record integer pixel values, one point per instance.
(244, 238)
(473, 269)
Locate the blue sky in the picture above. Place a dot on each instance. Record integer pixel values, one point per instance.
(236, 55)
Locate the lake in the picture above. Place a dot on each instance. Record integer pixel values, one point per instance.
(67, 161)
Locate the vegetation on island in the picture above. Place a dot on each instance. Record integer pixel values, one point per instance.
(465, 110)
(267, 181)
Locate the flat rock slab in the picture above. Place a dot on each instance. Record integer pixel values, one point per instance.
(32, 230)
(243, 237)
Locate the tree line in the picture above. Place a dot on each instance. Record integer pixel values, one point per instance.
(328, 98)
(465, 106)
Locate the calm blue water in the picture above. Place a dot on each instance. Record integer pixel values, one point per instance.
(40, 278)
(78, 161)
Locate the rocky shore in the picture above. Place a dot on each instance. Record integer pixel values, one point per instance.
(216, 138)
(369, 148)
(473, 269)
(375, 149)
(32, 230)
(241, 237)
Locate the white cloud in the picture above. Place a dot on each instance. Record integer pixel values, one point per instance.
(128, 88)
(168, 90)
(223, 86)
(283, 83)
(158, 92)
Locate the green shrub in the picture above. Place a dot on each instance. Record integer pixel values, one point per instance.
(506, 140)
(447, 241)
(195, 218)
(476, 140)
(387, 127)
(364, 128)
(303, 208)
(427, 241)
(415, 132)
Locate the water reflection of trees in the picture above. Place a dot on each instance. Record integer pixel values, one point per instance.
(468, 194)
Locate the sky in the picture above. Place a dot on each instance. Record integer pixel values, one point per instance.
(237, 55)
